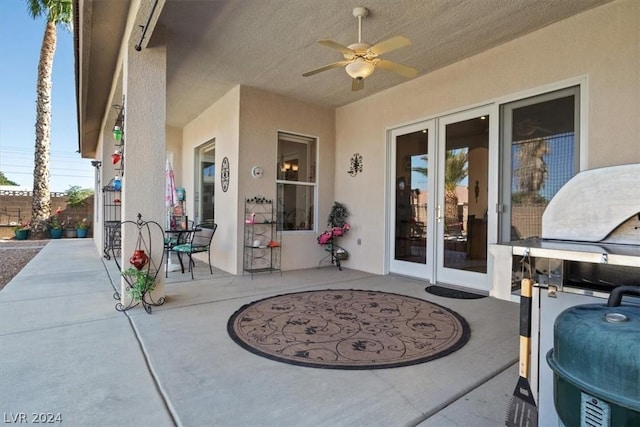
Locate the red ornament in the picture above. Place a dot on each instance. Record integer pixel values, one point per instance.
(115, 157)
(139, 259)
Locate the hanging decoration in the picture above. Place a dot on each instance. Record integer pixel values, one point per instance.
(118, 136)
(117, 133)
(356, 164)
(115, 157)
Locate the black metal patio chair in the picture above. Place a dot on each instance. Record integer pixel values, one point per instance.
(200, 241)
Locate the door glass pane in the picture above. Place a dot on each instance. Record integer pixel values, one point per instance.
(543, 158)
(205, 173)
(412, 163)
(466, 180)
(208, 185)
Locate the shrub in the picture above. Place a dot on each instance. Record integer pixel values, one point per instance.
(76, 196)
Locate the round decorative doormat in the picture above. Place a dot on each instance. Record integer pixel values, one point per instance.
(348, 329)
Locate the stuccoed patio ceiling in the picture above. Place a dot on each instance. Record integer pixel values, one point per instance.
(214, 45)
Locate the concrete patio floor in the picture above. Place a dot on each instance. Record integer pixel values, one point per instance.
(65, 350)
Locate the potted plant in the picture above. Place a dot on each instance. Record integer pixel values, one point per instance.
(55, 226)
(82, 228)
(338, 215)
(69, 228)
(22, 231)
(140, 282)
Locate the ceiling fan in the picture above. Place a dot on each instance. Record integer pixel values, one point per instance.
(361, 59)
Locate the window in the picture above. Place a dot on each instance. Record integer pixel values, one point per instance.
(296, 183)
(540, 153)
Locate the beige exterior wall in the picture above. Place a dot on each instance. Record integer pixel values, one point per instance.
(244, 125)
(219, 123)
(262, 115)
(602, 44)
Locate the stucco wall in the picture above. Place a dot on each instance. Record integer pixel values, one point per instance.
(244, 125)
(262, 115)
(602, 44)
(219, 123)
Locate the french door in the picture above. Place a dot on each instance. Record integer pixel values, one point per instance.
(412, 187)
(466, 189)
(441, 190)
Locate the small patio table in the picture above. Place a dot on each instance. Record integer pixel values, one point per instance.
(172, 238)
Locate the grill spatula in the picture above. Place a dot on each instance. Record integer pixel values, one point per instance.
(522, 410)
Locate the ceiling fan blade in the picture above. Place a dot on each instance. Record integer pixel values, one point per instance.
(326, 67)
(357, 84)
(389, 45)
(403, 70)
(334, 45)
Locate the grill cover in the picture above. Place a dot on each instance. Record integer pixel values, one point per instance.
(595, 203)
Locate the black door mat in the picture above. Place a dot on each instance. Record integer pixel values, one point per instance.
(441, 291)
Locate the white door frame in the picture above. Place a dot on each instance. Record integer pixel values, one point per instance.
(421, 271)
(434, 271)
(453, 276)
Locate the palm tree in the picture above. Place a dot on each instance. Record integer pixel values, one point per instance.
(456, 169)
(531, 170)
(56, 12)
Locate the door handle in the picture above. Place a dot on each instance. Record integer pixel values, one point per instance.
(439, 213)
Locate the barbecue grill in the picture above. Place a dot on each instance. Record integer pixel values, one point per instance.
(589, 247)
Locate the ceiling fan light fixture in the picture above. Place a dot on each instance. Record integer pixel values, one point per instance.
(359, 68)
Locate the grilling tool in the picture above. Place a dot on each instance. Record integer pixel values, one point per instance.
(522, 411)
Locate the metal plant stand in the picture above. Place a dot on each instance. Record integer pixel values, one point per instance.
(141, 268)
(112, 206)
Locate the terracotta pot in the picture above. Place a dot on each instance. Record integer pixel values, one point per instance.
(139, 259)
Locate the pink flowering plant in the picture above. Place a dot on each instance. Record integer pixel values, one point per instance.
(54, 221)
(83, 224)
(23, 226)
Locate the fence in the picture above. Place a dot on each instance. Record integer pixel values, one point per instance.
(15, 209)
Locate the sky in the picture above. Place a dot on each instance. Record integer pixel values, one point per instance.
(20, 42)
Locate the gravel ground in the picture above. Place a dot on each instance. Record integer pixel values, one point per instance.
(15, 254)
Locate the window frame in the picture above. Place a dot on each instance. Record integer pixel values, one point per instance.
(313, 168)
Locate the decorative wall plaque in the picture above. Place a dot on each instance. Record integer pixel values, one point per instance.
(356, 164)
(224, 174)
